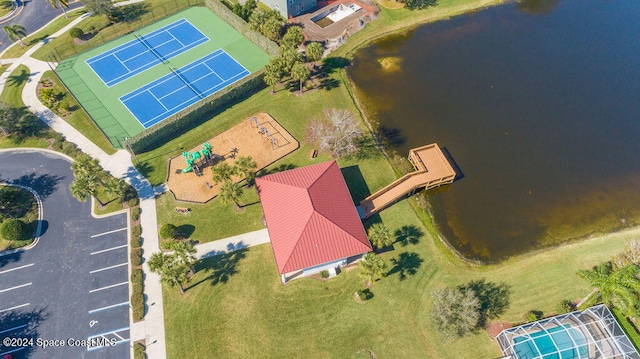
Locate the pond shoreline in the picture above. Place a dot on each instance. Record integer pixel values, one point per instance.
(428, 218)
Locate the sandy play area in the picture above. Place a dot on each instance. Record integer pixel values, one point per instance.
(243, 139)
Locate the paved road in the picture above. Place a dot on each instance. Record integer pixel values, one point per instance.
(74, 282)
(33, 15)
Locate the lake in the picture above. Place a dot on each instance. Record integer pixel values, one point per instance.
(538, 103)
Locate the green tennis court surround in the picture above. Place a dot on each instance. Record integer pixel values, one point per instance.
(181, 39)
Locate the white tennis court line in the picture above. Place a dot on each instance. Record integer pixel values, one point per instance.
(16, 287)
(178, 40)
(108, 307)
(107, 268)
(107, 287)
(109, 232)
(213, 72)
(202, 38)
(108, 249)
(16, 268)
(157, 99)
(16, 307)
(122, 62)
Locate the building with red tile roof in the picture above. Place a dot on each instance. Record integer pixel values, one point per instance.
(312, 220)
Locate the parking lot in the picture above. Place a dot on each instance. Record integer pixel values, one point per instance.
(68, 296)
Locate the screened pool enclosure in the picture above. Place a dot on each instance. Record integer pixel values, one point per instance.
(593, 333)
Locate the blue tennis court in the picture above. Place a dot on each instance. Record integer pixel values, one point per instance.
(145, 51)
(183, 87)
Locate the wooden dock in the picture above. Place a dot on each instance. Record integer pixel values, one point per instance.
(432, 170)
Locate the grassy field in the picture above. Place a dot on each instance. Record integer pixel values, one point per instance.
(235, 306)
(16, 50)
(78, 118)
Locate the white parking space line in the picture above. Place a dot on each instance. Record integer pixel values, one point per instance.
(14, 328)
(108, 249)
(16, 287)
(12, 308)
(108, 307)
(107, 287)
(105, 233)
(16, 268)
(106, 268)
(97, 339)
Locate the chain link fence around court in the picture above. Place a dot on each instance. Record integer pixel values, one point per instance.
(63, 57)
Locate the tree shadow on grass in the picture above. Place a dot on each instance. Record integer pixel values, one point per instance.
(406, 265)
(19, 79)
(219, 268)
(186, 230)
(494, 298)
(44, 184)
(406, 235)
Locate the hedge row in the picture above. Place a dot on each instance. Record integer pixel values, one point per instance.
(137, 294)
(193, 116)
(242, 27)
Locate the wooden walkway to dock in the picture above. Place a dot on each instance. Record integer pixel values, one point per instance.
(432, 170)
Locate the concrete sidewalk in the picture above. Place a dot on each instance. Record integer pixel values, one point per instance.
(231, 244)
(120, 165)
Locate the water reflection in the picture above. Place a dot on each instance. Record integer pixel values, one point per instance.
(540, 113)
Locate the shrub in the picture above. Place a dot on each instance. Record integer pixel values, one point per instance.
(76, 32)
(136, 257)
(364, 294)
(168, 231)
(324, 274)
(135, 214)
(133, 201)
(565, 306)
(136, 275)
(14, 230)
(139, 351)
(137, 302)
(69, 149)
(165, 244)
(136, 241)
(136, 231)
(532, 315)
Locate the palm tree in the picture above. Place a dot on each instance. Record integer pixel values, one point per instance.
(222, 172)
(185, 253)
(63, 4)
(245, 167)
(618, 288)
(86, 165)
(380, 236)
(300, 72)
(314, 52)
(231, 192)
(372, 267)
(84, 186)
(115, 187)
(171, 271)
(15, 32)
(272, 77)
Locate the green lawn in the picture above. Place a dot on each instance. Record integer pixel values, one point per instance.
(16, 50)
(12, 91)
(78, 118)
(236, 307)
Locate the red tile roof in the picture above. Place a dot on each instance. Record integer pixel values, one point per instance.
(311, 217)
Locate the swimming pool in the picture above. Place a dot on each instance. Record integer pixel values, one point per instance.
(560, 342)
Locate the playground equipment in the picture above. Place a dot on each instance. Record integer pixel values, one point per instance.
(264, 133)
(196, 161)
(432, 169)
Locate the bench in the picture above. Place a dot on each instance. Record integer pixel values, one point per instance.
(313, 153)
(183, 210)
